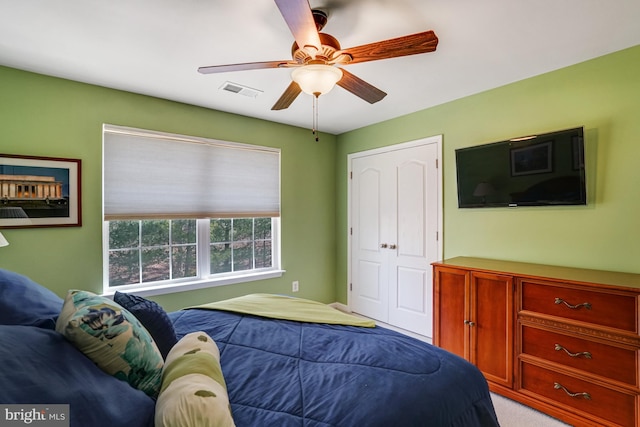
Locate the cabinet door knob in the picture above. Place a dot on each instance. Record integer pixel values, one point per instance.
(469, 323)
(392, 246)
(384, 246)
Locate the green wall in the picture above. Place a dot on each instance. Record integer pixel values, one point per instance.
(603, 95)
(46, 116)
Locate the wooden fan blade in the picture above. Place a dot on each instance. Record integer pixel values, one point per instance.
(360, 88)
(241, 67)
(289, 95)
(297, 14)
(402, 46)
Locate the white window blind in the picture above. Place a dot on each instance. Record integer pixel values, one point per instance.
(150, 175)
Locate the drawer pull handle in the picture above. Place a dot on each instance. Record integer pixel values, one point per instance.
(586, 305)
(559, 386)
(586, 354)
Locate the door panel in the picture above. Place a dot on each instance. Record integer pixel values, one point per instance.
(411, 209)
(492, 335)
(451, 331)
(369, 210)
(411, 290)
(415, 169)
(369, 265)
(369, 274)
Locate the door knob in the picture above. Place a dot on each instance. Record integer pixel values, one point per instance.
(392, 246)
(384, 246)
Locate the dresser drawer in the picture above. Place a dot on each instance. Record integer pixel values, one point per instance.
(606, 309)
(601, 359)
(611, 405)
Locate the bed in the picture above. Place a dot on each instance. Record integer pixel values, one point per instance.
(277, 371)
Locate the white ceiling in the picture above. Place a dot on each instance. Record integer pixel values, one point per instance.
(154, 47)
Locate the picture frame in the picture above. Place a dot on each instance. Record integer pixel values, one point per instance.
(39, 192)
(532, 159)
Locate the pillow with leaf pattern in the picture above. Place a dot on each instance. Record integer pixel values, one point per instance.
(113, 339)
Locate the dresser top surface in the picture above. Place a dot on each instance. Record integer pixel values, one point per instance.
(607, 278)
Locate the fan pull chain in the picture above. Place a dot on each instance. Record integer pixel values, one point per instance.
(315, 116)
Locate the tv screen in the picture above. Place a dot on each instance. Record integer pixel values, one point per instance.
(537, 170)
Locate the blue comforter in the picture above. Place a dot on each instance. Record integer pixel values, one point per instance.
(284, 373)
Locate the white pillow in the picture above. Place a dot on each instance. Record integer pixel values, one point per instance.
(193, 393)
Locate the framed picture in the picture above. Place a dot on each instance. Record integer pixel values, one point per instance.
(39, 192)
(532, 159)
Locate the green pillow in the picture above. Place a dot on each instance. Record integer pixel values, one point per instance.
(112, 338)
(193, 391)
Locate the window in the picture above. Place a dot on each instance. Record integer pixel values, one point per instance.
(146, 251)
(240, 244)
(183, 212)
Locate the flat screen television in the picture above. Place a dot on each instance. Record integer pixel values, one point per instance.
(537, 170)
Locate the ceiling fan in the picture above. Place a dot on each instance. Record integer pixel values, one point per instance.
(316, 56)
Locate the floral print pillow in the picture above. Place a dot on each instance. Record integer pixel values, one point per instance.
(113, 339)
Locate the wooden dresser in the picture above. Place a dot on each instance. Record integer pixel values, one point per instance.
(565, 341)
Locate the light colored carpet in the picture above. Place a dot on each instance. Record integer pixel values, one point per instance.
(513, 414)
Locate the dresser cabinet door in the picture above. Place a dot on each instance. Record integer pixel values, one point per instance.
(474, 319)
(451, 308)
(492, 326)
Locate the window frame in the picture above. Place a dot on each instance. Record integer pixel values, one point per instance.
(204, 279)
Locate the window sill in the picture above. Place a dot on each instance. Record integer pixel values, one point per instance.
(145, 291)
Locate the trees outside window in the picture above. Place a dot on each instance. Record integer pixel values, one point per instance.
(148, 251)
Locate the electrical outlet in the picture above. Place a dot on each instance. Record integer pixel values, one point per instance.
(295, 286)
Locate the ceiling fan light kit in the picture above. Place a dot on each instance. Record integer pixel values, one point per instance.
(315, 56)
(316, 79)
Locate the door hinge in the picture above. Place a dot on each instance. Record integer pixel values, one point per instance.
(350, 286)
(437, 236)
(351, 231)
(351, 175)
(436, 163)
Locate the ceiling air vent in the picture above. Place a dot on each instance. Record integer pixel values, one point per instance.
(240, 89)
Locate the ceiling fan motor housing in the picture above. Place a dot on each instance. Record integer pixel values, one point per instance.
(330, 46)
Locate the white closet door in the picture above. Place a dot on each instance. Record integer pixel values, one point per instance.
(394, 212)
(416, 225)
(369, 259)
